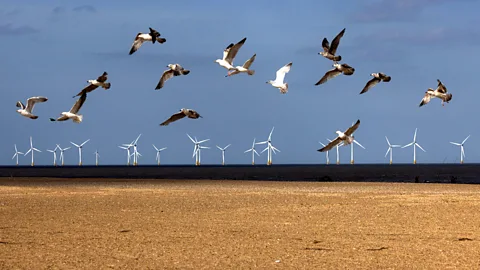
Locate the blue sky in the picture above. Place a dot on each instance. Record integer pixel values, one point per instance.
(51, 48)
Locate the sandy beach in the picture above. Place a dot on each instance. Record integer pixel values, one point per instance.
(188, 224)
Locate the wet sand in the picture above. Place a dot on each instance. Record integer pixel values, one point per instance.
(188, 224)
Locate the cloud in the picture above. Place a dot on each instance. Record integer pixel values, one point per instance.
(86, 8)
(396, 10)
(10, 30)
(58, 10)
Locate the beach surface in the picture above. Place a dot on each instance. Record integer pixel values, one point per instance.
(189, 224)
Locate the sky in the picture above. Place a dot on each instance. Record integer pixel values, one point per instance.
(51, 48)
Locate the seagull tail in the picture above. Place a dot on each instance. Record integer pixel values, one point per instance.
(251, 72)
(337, 58)
(185, 71)
(78, 119)
(33, 117)
(161, 40)
(106, 86)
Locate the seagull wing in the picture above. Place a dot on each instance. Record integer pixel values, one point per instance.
(137, 43)
(249, 62)
(76, 107)
(384, 77)
(441, 88)
(233, 50)
(352, 129)
(87, 89)
(325, 45)
(280, 75)
(103, 77)
(336, 41)
(425, 99)
(329, 75)
(370, 84)
(20, 105)
(31, 102)
(61, 118)
(330, 145)
(173, 118)
(227, 49)
(167, 74)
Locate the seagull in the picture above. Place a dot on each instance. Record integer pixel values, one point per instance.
(94, 84)
(440, 92)
(244, 68)
(141, 37)
(337, 70)
(330, 50)
(28, 111)
(175, 70)
(377, 77)
(280, 76)
(343, 137)
(181, 114)
(229, 54)
(73, 113)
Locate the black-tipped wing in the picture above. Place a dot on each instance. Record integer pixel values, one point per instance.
(233, 50)
(441, 88)
(20, 105)
(31, 102)
(325, 45)
(89, 88)
(173, 118)
(76, 107)
(370, 84)
(336, 41)
(329, 75)
(137, 43)
(249, 62)
(384, 77)
(329, 146)
(352, 129)
(61, 118)
(167, 74)
(425, 99)
(103, 77)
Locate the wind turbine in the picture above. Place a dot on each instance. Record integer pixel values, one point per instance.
(223, 152)
(462, 151)
(16, 153)
(128, 154)
(157, 158)
(61, 152)
(253, 152)
(96, 157)
(135, 154)
(390, 149)
(415, 144)
(338, 153)
(326, 154)
(54, 151)
(32, 149)
(269, 147)
(80, 151)
(196, 149)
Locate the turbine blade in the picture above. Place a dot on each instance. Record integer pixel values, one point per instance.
(255, 151)
(155, 147)
(28, 151)
(388, 150)
(191, 138)
(407, 145)
(358, 144)
(420, 147)
(455, 143)
(84, 142)
(388, 141)
(204, 141)
(226, 147)
(415, 135)
(466, 139)
(75, 144)
(248, 150)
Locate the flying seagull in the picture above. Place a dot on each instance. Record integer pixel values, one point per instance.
(330, 50)
(377, 77)
(337, 70)
(280, 76)
(440, 92)
(94, 84)
(28, 110)
(244, 68)
(174, 70)
(181, 114)
(141, 37)
(73, 113)
(343, 137)
(229, 54)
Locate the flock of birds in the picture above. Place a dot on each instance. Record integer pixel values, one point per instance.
(229, 54)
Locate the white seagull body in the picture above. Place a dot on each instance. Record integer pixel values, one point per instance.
(229, 54)
(244, 68)
(27, 111)
(440, 92)
(280, 76)
(73, 113)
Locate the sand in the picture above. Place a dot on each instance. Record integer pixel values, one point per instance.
(237, 225)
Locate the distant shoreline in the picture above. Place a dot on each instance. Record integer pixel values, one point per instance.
(433, 173)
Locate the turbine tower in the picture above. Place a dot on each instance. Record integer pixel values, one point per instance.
(61, 152)
(31, 150)
(351, 148)
(462, 151)
(270, 148)
(54, 151)
(253, 152)
(390, 149)
(223, 152)
(157, 158)
(16, 153)
(197, 148)
(96, 157)
(80, 151)
(415, 144)
(326, 154)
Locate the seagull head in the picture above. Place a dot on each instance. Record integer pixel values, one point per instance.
(448, 97)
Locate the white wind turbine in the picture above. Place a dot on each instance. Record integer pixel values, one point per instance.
(80, 151)
(61, 152)
(96, 157)
(32, 149)
(390, 149)
(157, 158)
(197, 148)
(16, 153)
(269, 147)
(351, 148)
(326, 154)
(223, 152)
(135, 152)
(415, 144)
(253, 152)
(128, 154)
(462, 151)
(54, 151)
(338, 152)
